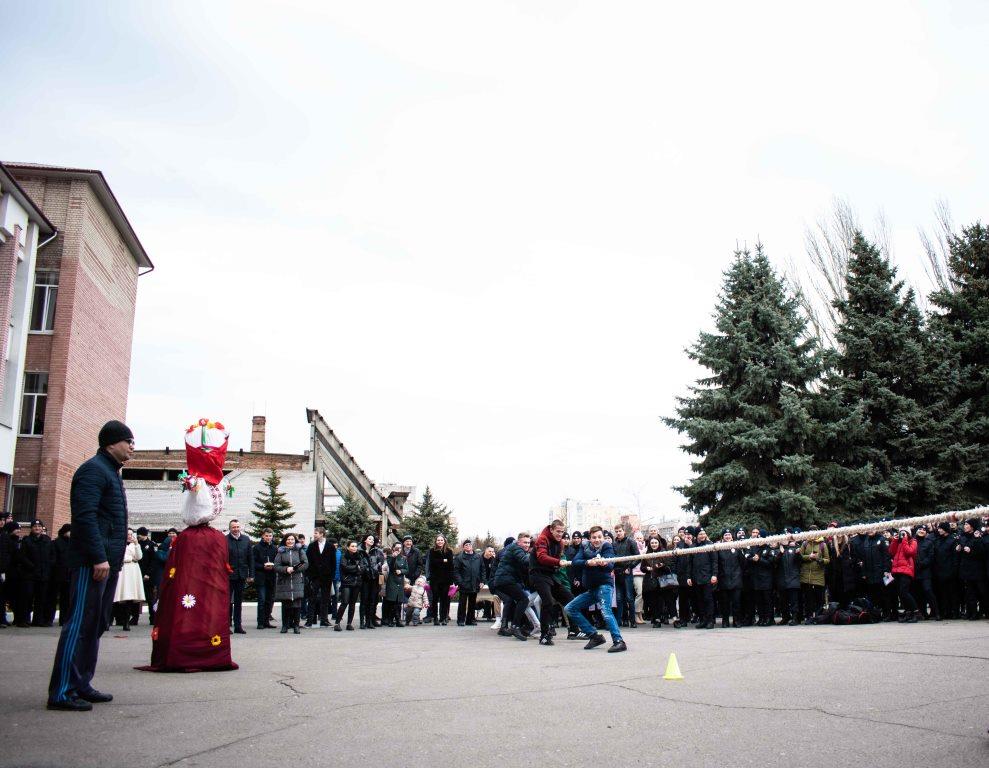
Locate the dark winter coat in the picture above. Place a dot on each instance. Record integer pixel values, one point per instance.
(971, 564)
(7, 549)
(574, 572)
(730, 568)
(398, 570)
(788, 567)
(415, 560)
(513, 566)
(844, 573)
(34, 559)
(263, 553)
(653, 570)
(439, 566)
(924, 564)
(761, 569)
(873, 555)
(624, 548)
(703, 566)
(290, 586)
(150, 565)
(488, 570)
(372, 561)
(240, 555)
(467, 571)
(681, 566)
(350, 568)
(945, 558)
(99, 514)
(595, 576)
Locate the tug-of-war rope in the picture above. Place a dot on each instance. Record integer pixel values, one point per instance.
(826, 533)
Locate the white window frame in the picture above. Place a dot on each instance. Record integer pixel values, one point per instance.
(47, 301)
(34, 396)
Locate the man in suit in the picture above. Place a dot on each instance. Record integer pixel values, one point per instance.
(240, 556)
(322, 567)
(98, 506)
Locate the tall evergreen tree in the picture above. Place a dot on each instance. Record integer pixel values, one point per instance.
(271, 508)
(350, 521)
(880, 371)
(749, 421)
(960, 326)
(429, 519)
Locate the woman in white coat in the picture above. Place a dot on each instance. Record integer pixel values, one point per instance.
(130, 585)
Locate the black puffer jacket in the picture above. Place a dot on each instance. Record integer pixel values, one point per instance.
(439, 566)
(681, 566)
(350, 568)
(99, 514)
(513, 567)
(971, 564)
(373, 561)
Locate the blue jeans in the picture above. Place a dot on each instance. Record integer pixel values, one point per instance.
(602, 596)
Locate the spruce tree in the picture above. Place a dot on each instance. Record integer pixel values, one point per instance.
(878, 380)
(960, 329)
(748, 422)
(429, 519)
(271, 508)
(350, 521)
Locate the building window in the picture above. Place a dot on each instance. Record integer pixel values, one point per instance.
(45, 294)
(24, 505)
(33, 404)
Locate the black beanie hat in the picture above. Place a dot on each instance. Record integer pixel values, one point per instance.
(945, 526)
(114, 432)
(975, 523)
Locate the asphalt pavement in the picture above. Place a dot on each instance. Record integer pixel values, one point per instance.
(883, 695)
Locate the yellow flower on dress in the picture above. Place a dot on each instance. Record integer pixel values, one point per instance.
(171, 573)
(215, 640)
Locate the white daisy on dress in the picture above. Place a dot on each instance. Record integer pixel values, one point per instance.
(188, 601)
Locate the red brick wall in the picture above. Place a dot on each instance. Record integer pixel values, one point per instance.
(89, 353)
(175, 459)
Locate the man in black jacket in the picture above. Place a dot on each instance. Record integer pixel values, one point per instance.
(625, 546)
(34, 565)
(264, 576)
(946, 571)
(704, 576)
(150, 570)
(7, 549)
(761, 561)
(99, 536)
(240, 556)
(58, 587)
(730, 581)
(322, 566)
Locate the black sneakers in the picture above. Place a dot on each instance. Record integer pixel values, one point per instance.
(71, 705)
(618, 647)
(594, 641)
(546, 640)
(96, 697)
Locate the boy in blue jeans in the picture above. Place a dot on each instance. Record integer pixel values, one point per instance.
(599, 585)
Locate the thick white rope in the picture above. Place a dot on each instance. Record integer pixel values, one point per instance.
(826, 533)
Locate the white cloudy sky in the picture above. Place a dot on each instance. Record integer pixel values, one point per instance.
(477, 236)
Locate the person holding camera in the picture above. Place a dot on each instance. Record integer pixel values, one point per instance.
(903, 550)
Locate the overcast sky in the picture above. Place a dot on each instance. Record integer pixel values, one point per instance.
(477, 237)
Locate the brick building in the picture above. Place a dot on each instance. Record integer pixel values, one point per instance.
(77, 361)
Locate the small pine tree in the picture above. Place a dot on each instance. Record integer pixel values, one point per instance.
(272, 509)
(481, 543)
(430, 518)
(350, 521)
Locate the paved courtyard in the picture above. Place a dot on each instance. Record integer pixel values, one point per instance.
(885, 695)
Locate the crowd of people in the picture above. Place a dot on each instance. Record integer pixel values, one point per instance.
(533, 585)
